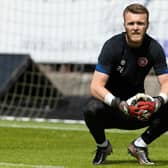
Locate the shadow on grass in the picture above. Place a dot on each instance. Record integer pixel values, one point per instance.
(123, 162)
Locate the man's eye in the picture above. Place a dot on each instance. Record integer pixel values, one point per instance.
(131, 23)
(140, 23)
(135, 23)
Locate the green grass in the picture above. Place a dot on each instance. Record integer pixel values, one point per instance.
(58, 145)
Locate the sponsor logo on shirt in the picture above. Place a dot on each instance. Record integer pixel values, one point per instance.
(121, 67)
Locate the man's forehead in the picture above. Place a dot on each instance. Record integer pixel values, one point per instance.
(134, 16)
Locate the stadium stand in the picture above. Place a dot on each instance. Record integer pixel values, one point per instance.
(54, 46)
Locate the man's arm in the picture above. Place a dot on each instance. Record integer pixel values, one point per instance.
(97, 86)
(163, 80)
(162, 97)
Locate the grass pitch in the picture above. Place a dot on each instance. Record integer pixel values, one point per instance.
(58, 145)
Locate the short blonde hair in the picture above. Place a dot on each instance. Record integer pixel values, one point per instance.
(137, 9)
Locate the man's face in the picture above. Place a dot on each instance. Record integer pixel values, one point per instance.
(135, 26)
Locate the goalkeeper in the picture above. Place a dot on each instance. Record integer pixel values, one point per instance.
(123, 64)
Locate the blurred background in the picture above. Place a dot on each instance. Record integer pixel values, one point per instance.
(49, 48)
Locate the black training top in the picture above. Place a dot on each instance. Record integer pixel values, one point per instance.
(128, 66)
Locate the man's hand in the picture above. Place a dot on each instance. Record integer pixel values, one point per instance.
(140, 113)
(137, 106)
(129, 110)
(129, 106)
(151, 106)
(121, 105)
(140, 106)
(139, 97)
(134, 111)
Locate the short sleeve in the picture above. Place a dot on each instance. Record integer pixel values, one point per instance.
(159, 59)
(106, 58)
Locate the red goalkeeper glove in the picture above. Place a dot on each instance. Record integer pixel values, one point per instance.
(140, 106)
(138, 113)
(151, 106)
(135, 107)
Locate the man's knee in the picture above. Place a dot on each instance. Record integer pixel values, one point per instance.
(93, 107)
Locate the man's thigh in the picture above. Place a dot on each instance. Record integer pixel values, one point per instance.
(109, 117)
(114, 118)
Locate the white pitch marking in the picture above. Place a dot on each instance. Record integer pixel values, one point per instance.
(28, 166)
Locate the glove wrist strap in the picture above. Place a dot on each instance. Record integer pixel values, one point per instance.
(164, 97)
(109, 97)
(161, 101)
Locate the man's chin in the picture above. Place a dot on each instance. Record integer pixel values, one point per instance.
(136, 40)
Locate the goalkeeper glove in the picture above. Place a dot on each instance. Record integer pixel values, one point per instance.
(129, 110)
(130, 107)
(121, 105)
(134, 108)
(151, 106)
(158, 102)
(115, 102)
(138, 113)
(133, 111)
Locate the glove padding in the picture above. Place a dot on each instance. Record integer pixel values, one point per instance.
(138, 112)
(139, 97)
(151, 106)
(140, 106)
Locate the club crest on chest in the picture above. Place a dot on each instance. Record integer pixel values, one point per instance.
(142, 61)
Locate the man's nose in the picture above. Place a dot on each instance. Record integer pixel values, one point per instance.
(135, 26)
